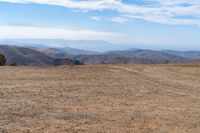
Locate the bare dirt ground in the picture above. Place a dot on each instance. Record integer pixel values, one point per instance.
(100, 98)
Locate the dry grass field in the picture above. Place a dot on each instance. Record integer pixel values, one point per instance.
(100, 98)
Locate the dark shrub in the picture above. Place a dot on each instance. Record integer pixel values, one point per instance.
(13, 64)
(76, 62)
(2, 60)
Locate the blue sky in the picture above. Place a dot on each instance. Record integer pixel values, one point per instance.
(156, 24)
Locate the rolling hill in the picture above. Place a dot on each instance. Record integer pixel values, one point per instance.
(191, 55)
(150, 56)
(63, 52)
(118, 59)
(28, 57)
(130, 56)
(54, 56)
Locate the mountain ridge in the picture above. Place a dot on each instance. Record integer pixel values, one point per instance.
(65, 55)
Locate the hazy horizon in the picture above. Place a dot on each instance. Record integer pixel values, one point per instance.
(90, 45)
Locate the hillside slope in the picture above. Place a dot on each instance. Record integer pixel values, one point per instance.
(191, 55)
(29, 57)
(131, 56)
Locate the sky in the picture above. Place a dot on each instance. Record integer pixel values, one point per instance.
(156, 24)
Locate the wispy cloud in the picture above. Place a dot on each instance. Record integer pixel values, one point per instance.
(8, 31)
(120, 20)
(184, 12)
(96, 18)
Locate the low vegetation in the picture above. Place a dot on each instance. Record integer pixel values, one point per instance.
(13, 64)
(2, 60)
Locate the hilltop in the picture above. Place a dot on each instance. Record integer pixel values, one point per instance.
(100, 98)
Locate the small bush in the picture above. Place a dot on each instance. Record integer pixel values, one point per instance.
(13, 64)
(76, 62)
(2, 60)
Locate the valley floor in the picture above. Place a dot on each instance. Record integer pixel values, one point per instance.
(100, 98)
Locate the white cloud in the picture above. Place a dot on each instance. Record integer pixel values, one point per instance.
(120, 20)
(185, 12)
(7, 31)
(96, 18)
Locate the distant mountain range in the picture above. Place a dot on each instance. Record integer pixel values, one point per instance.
(87, 45)
(129, 56)
(44, 54)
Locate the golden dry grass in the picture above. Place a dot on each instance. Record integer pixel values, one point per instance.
(100, 98)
